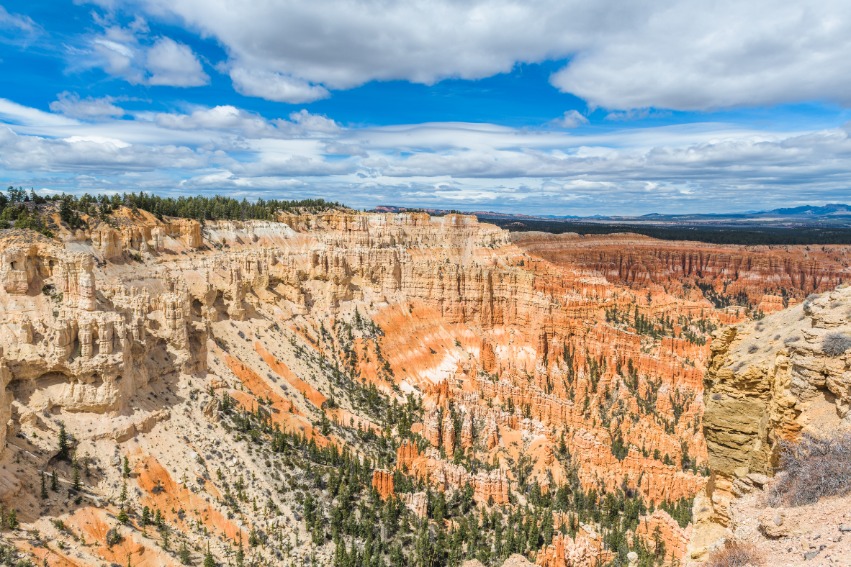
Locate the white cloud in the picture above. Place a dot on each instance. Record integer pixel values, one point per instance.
(275, 86)
(708, 166)
(17, 22)
(70, 104)
(689, 56)
(290, 50)
(314, 122)
(128, 53)
(117, 53)
(570, 119)
(671, 54)
(91, 153)
(17, 114)
(224, 119)
(174, 64)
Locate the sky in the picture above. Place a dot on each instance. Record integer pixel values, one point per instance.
(555, 107)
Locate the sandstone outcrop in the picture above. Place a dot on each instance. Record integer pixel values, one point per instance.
(69, 349)
(660, 528)
(382, 482)
(584, 550)
(767, 382)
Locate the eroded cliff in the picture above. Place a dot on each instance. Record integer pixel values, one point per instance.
(768, 382)
(431, 359)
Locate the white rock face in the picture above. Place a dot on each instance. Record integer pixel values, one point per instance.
(93, 322)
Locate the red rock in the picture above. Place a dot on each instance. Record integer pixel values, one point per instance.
(382, 482)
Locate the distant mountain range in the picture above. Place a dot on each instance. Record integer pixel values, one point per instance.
(832, 209)
(807, 224)
(838, 211)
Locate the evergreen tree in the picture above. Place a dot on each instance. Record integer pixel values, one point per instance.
(165, 535)
(240, 554)
(75, 484)
(63, 453)
(43, 486)
(183, 554)
(208, 558)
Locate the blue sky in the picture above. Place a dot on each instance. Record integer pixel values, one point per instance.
(554, 107)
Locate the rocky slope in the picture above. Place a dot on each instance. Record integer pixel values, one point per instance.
(765, 278)
(221, 377)
(768, 382)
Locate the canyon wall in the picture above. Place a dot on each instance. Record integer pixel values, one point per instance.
(767, 382)
(770, 276)
(533, 367)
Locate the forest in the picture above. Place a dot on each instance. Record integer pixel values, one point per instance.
(27, 209)
(751, 235)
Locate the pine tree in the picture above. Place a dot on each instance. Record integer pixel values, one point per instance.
(208, 558)
(53, 481)
(43, 486)
(126, 467)
(63, 443)
(75, 485)
(12, 522)
(184, 555)
(240, 554)
(164, 531)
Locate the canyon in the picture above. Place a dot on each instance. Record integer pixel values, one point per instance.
(238, 378)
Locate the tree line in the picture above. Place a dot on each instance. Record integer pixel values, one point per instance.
(20, 208)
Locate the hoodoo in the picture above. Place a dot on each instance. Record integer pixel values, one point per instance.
(288, 382)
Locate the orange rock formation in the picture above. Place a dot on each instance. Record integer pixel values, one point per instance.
(536, 362)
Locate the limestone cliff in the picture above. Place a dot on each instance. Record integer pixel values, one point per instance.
(767, 381)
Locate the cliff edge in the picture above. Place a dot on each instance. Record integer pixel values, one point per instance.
(769, 382)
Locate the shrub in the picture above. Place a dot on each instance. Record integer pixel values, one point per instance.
(835, 344)
(813, 468)
(735, 554)
(113, 537)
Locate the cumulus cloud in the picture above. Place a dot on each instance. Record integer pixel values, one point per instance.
(128, 53)
(174, 64)
(275, 86)
(570, 119)
(643, 54)
(230, 119)
(702, 56)
(293, 51)
(70, 104)
(223, 117)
